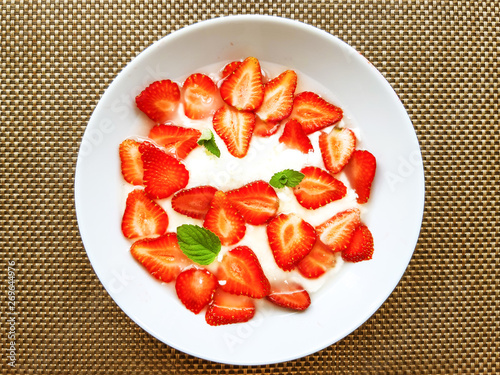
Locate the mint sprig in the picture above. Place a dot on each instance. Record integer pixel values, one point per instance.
(208, 141)
(198, 244)
(288, 177)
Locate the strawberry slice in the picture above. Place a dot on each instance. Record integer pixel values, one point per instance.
(360, 172)
(313, 112)
(227, 308)
(291, 239)
(163, 174)
(318, 188)
(224, 220)
(240, 273)
(257, 202)
(336, 148)
(201, 96)
(361, 246)
(235, 128)
(131, 162)
(243, 88)
(336, 232)
(290, 295)
(194, 202)
(161, 256)
(229, 68)
(294, 137)
(195, 288)
(265, 129)
(159, 100)
(317, 262)
(143, 217)
(278, 97)
(177, 140)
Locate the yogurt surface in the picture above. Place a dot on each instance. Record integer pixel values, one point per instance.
(265, 157)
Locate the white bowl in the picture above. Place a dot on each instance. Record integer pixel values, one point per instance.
(394, 216)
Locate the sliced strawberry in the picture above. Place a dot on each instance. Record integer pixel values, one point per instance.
(317, 262)
(289, 295)
(243, 88)
(318, 188)
(143, 217)
(336, 148)
(240, 273)
(229, 68)
(278, 97)
(194, 202)
(257, 202)
(360, 172)
(163, 174)
(361, 246)
(336, 232)
(224, 220)
(177, 140)
(313, 112)
(195, 288)
(235, 128)
(131, 162)
(291, 239)
(159, 100)
(265, 129)
(201, 96)
(227, 308)
(161, 256)
(294, 137)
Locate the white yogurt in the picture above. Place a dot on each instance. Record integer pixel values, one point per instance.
(265, 157)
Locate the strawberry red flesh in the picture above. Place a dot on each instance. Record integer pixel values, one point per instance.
(159, 100)
(265, 129)
(336, 232)
(291, 239)
(227, 308)
(317, 262)
(201, 96)
(195, 288)
(131, 162)
(318, 188)
(243, 88)
(336, 148)
(361, 246)
(163, 174)
(294, 137)
(224, 220)
(313, 112)
(229, 68)
(143, 217)
(162, 256)
(240, 273)
(360, 172)
(278, 97)
(177, 140)
(235, 128)
(257, 202)
(290, 295)
(194, 202)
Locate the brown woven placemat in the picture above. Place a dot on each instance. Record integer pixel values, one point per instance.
(440, 57)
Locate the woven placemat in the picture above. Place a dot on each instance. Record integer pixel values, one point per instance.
(441, 58)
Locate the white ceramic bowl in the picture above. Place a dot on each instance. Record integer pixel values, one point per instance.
(394, 217)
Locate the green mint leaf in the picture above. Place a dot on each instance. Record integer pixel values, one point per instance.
(288, 177)
(207, 139)
(198, 244)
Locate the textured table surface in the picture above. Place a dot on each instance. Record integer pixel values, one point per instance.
(442, 58)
